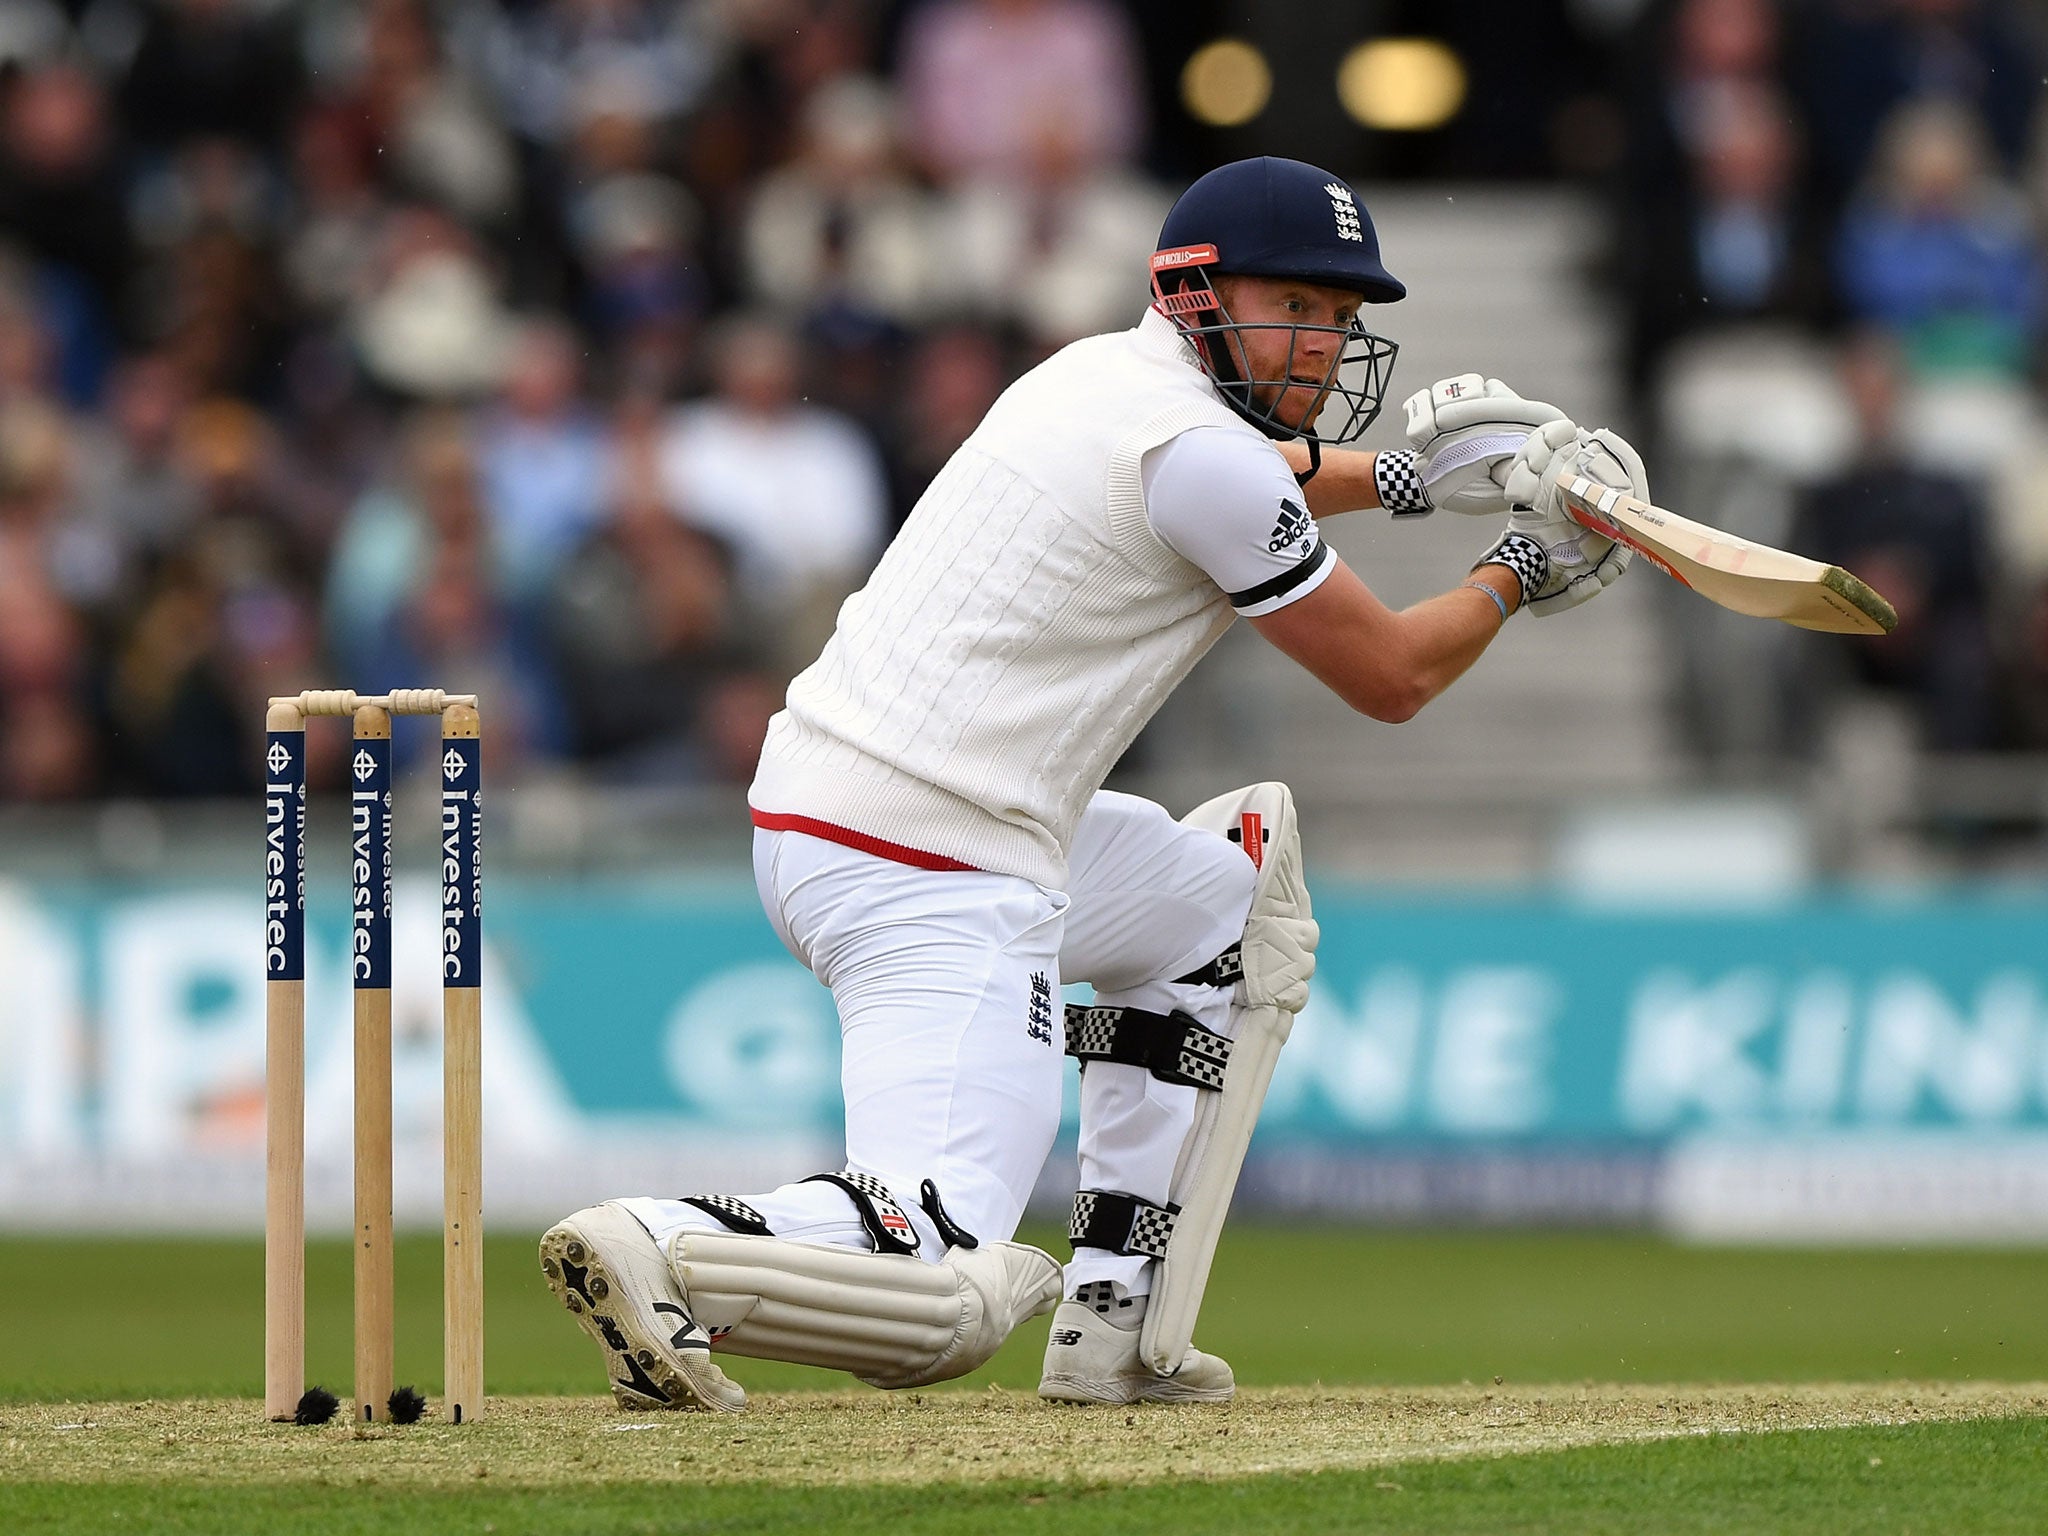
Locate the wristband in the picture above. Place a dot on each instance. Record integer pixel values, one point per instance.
(1498, 601)
(1399, 483)
(1525, 557)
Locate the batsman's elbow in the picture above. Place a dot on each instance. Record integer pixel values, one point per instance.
(1350, 642)
(1390, 700)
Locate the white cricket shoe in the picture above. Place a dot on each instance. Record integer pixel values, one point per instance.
(1092, 1356)
(612, 1276)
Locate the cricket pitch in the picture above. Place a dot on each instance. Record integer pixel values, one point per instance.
(828, 1439)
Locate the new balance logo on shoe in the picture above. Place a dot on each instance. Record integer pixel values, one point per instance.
(689, 1335)
(1296, 529)
(1066, 1337)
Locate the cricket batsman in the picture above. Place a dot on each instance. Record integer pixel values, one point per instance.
(932, 839)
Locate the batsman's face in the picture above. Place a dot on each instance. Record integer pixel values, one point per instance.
(1291, 340)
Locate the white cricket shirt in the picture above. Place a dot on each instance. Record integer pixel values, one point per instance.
(1035, 611)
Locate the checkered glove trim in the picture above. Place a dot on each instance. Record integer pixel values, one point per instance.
(1522, 555)
(1172, 1047)
(1400, 483)
(888, 1226)
(1121, 1223)
(734, 1214)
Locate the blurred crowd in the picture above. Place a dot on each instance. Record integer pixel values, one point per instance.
(585, 353)
(1829, 231)
(581, 353)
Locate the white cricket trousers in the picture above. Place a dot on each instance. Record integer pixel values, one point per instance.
(948, 991)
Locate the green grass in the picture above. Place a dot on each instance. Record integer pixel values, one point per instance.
(96, 1319)
(1936, 1478)
(121, 1321)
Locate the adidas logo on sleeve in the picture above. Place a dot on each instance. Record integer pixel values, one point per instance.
(1295, 530)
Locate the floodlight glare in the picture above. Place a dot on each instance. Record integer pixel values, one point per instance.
(1226, 83)
(1404, 84)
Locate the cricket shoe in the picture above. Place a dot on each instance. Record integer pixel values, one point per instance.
(616, 1281)
(1092, 1356)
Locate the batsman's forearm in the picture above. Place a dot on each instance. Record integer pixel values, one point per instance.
(1382, 663)
(1449, 632)
(1343, 484)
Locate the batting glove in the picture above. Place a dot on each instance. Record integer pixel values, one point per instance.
(1463, 434)
(1578, 563)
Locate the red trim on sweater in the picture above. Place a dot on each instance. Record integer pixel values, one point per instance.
(881, 848)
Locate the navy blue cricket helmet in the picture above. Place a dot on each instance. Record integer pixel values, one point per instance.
(1277, 218)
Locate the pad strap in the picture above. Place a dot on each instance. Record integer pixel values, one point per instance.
(734, 1214)
(951, 1233)
(1225, 970)
(1121, 1223)
(1172, 1047)
(888, 1227)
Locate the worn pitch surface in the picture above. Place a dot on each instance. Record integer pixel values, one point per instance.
(830, 1439)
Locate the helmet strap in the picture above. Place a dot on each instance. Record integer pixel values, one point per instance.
(1315, 460)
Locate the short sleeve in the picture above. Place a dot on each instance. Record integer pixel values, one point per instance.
(1226, 501)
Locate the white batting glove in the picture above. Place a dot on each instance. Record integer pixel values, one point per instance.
(1463, 434)
(1578, 563)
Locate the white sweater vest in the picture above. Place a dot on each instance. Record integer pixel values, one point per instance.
(1020, 630)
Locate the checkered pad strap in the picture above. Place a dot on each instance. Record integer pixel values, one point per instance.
(1172, 1047)
(1225, 969)
(888, 1227)
(1121, 1223)
(1522, 555)
(1399, 482)
(734, 1214)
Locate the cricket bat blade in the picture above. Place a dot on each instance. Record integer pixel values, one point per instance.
(1739, 574)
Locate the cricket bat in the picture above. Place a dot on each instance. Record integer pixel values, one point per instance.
(1735, 572)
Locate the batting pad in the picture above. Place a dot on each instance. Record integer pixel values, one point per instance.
(1259, 817)
(890, 1319)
